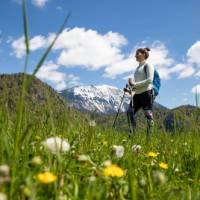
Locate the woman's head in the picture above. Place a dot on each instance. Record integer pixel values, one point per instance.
(142, 54)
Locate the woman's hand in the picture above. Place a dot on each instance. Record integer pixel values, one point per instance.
(131, 82)
(126, 89)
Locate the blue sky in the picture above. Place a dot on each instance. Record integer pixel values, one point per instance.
(99, 42)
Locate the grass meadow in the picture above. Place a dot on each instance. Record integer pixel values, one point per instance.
(88, 163)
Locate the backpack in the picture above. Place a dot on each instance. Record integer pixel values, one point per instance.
(156, 81)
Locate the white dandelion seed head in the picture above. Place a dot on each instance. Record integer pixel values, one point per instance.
(107, 163)
(159, 177)
(4, 170)
(119, 150)
(92, 178)
(83, 158)
(176, 169)
(3, 196)
(36, 161)
(136, 148)
(56, 145)
(143, 182)
(92, 123)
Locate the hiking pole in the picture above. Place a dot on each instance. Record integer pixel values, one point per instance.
(118, 109)
(131, 110)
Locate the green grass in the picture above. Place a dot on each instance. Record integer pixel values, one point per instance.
(181, 152)
(21, 141)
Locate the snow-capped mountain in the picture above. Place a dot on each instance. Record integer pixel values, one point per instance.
(103, 99)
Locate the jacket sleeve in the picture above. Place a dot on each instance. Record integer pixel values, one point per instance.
(149, 77)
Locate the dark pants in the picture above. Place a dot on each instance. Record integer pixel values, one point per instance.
(145, 101)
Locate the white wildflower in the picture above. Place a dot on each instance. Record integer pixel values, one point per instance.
(136, 148)
(62, 196)
(56, 145)
(36, 161)
(107, 163)
(4, 174)
(3, 196)
(92, 123)
(143, 182)
(86, 159)
(4, 170)
(119, 150)
(153, 162)
(159, 177)
(92, 178)
(83, 158)
(176, 169)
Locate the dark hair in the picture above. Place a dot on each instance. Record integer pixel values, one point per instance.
(144, 51)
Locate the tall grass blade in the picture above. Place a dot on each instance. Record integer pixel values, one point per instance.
(20, 106)
(23, 90)
(44, 56)
(25, 21)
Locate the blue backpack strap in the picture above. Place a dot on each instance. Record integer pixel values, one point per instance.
(145, 69)
(156, 80)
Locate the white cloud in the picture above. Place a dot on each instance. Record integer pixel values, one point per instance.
(84, 48)
(193, 53)
(49, 72)
(178, 68)
(164, 73)
(184, 70)
(79, 47)
(196, 89)
(190, 67)
(159, 55)
(39, 3)
(91, 50)
(187, 72)
(122, 66)
(36, 43)
(198, 74)
(18, 47)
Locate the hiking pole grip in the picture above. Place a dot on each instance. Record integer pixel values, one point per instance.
(118, 110)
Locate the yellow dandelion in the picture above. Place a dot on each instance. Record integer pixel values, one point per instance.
(114, 171)
(163, 165)
(37, 138)
(36, 161)
(104, 142)
(152, 154)
(46, 177)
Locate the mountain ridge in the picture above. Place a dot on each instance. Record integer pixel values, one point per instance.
(104, 99)
(42, 103)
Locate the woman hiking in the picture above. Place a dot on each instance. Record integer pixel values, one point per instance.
(142, 85)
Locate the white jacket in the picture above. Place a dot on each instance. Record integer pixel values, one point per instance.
(143, 77)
